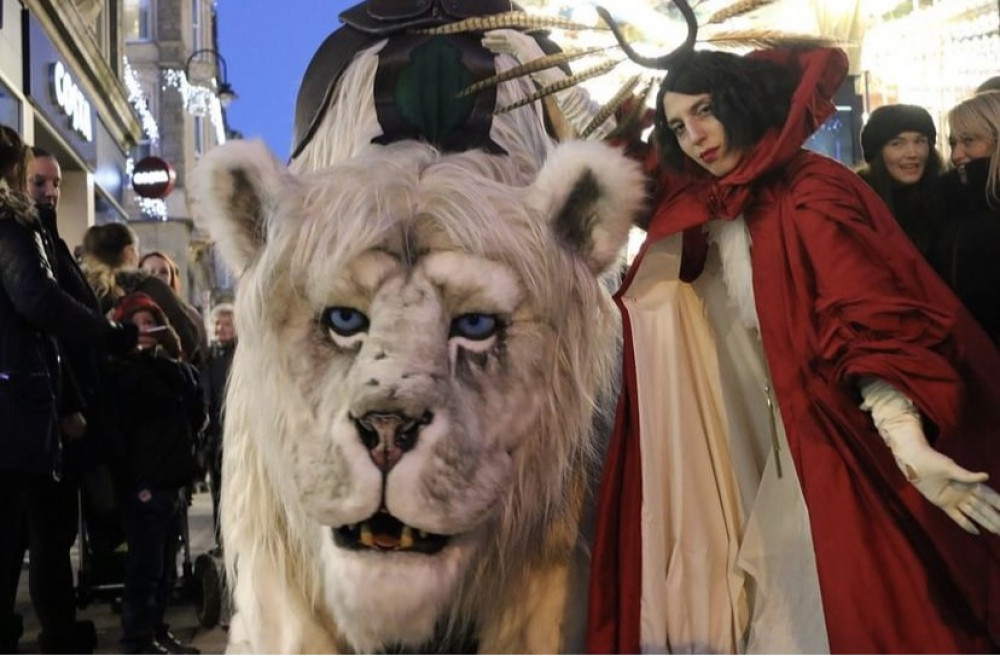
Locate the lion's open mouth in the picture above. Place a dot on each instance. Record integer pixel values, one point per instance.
(383, 532)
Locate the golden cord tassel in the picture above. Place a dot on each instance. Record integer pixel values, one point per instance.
(611, 106)
(508, 20)
(533, 66)
(561, 85)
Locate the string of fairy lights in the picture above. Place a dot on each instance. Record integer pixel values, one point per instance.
(198, 101)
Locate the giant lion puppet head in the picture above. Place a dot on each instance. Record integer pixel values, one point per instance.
(424, 343)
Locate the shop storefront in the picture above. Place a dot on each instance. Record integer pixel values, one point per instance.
(932, 54)
(65, 122)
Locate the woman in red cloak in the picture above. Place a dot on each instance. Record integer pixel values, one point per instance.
(808, 414)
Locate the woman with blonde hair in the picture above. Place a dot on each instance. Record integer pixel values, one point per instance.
(965, 254)
(111, 259)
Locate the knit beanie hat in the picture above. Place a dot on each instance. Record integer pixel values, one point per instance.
(139, 302)
(888, 121)
(135, 302)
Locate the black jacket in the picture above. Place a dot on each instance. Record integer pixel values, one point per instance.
(967, 251)
(159, 414)
(34, 312)
(215, 376)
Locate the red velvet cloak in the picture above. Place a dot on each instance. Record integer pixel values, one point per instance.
(840, 293)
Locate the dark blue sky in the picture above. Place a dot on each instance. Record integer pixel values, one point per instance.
(267, 45)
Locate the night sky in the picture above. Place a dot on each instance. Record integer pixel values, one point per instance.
(267, 45)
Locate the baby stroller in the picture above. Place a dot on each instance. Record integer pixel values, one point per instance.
(103, 549)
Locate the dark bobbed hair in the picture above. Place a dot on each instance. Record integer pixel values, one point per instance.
(749, 97)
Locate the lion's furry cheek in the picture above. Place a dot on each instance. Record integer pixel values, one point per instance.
(452, 481)
(337, 484)
(379, 600)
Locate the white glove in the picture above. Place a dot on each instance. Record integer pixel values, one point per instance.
(575, 103)
(957, 491)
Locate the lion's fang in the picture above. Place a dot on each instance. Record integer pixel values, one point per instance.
(406, 539)
(422, 534)
(367, 538)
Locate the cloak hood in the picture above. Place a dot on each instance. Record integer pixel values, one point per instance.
(822, 72)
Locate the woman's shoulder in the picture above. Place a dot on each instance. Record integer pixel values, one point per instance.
(810, 173)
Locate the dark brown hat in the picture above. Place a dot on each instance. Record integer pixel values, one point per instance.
(888, 121)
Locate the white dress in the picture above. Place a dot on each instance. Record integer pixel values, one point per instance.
(727, 556)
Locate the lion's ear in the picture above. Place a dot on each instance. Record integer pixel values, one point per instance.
(232, 189)
(591, 194)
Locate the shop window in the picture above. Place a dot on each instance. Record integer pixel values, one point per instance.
(196, 24)
(10, 108)
(143, 150)
(137, 20)
(199, 135)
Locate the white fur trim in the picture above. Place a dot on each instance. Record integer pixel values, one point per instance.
(733, 240)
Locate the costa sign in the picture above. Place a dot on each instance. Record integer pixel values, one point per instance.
(71, 101)
(153, 177)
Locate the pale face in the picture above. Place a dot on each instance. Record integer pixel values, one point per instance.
(225, 330)
(905, 157)
(145, 321)
(158, 268)
(701, 136)
(967, 147)
(44, 181)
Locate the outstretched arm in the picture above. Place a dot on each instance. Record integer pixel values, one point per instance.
(956, 490)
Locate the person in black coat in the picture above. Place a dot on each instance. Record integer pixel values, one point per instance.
(160, 415)
(38, 406)
(967, 252)
(904, 167)
(215, 377)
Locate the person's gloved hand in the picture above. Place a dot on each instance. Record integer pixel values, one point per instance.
(956, 490)
(122, 338)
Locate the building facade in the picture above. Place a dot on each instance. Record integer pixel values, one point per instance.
(60, 87)
(174, 73)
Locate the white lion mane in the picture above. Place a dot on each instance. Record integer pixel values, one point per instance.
(305, 239)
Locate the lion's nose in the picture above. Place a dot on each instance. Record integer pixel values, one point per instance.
(389, 435)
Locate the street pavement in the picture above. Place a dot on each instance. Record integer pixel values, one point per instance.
(181, 615)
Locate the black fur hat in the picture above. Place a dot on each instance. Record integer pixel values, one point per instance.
(890, 120)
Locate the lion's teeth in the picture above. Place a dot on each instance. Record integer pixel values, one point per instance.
(422, 534)
(406, 539)
(352, 527)
(367, 538)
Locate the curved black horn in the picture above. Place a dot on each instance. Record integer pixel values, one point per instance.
(666, 60)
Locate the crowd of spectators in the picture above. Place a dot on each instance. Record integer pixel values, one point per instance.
(100, 394)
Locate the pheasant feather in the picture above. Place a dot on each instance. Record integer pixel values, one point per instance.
(561, 85)
(736, 9)
(533, 66)
(611, 106)
(761, 39)
(508, 20)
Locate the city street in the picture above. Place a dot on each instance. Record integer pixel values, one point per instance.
(181, 615)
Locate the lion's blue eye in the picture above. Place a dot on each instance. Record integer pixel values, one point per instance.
(475, 325)
(345, 321)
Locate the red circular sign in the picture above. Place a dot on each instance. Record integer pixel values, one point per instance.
(153, 177)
